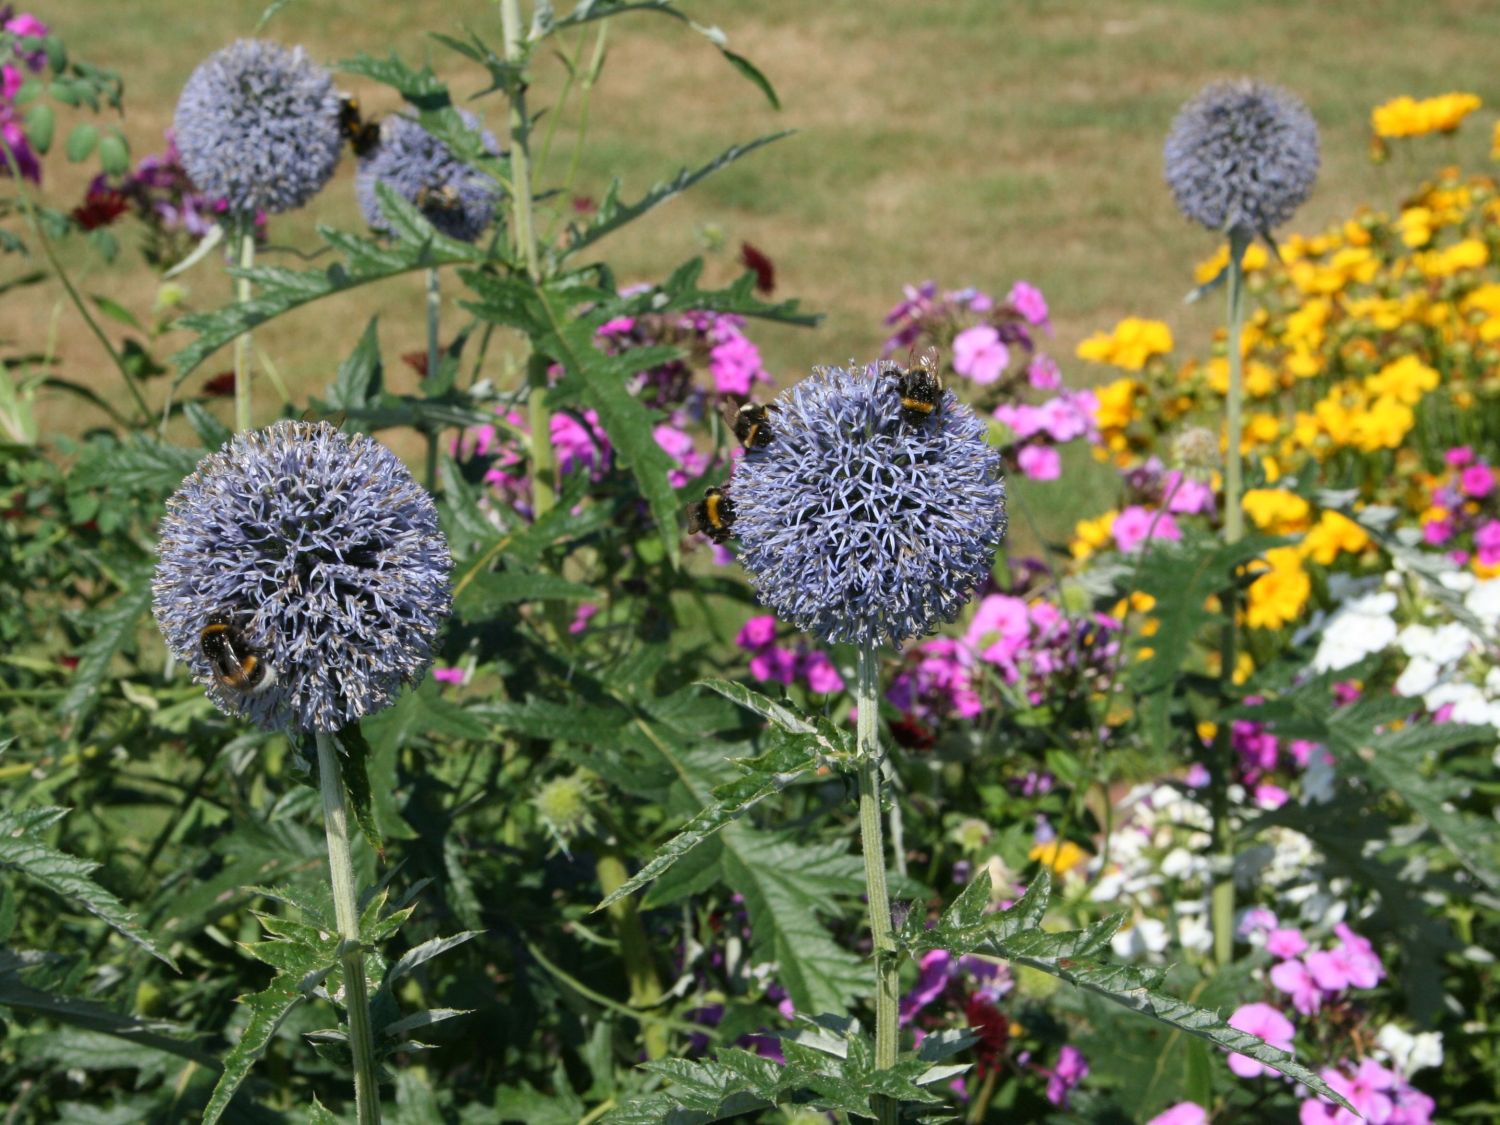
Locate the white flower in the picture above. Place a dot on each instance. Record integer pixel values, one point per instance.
(1468, 701)
(1359, 628)
(1194, 933)
(1410, 1053)
(1418, 677)
(1147, 936)
(1447, 644)
(1483, 601)
(1179, 863)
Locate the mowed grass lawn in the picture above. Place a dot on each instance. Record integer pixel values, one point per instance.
(968, 141)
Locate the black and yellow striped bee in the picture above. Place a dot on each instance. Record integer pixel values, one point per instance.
(362, 135)
(236, 666)
(713, 516)
(750, 424)
(443, 198)
(921, 388)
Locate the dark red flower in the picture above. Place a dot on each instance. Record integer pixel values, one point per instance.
(221, 385)
(757, 263)
(912, 734)
(417, 361)
(100, 208)
(68, 662)
(583, 205)
(993, 1029)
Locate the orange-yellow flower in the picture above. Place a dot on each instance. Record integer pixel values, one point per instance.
(1276, 510)
(1278, 595)
(1383, 425)
(1116, 404)
(1405, 380)
(1407, 117)
(1255, 258)
(1132, 343)
(1060, 855)
(1470, 254)
(1334, 534)
(1090, 535)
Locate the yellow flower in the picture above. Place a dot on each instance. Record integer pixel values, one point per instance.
(1495, 142)
(1407, 117)
(1416, 226)
(1333, 534)
(1116, 404)
(1090, 535)
(1470, 254)
(1276, 510)
(1278, 595)
(1060, 855)
(1486, 300)
(1406, 380)
(1383, 425)
(1132, 343)
(1305, 325)
(1255, 258)
(1260, 429)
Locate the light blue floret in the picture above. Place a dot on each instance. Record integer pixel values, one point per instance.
(326, 553)
(411, 161)
(861, 528)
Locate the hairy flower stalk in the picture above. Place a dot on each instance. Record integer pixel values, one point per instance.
(1240, 158)
(869, 523)
(258, 125)
(302, 579)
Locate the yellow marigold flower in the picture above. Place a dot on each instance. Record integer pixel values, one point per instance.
(1090, 535)
(1306, 430)
(1116, 404)
(1255, 258)
(1485, 571)
(1416, 225)
(1276, 510)
(1334, 534)
(1384, 425)
(1244, 667)
(1132, 343)
(1141, 602)
(1407, 117)
(1279, 594)
(1470, 254)
(1305, 325)
(1260, 429)
(1304, 363)
(1495, 142)
(1405, 380)
(1144, 654)
(1208, 730)
(1060, 855)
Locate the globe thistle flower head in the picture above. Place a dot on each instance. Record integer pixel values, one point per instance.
(258, 124)
(456, 198)
(1241, 157)
(325, 557)
(860, 526)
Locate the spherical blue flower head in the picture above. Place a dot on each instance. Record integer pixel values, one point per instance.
(1241, 157)
(258, 124)
(858, 526)
(456, 198)
(325, 555)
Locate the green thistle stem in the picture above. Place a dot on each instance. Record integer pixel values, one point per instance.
(635, 950)
(887, 969)
(1222, 897)
(244, 259)
(346, 914)
(543, 486)
(434, 361)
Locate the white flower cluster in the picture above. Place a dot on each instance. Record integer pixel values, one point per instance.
(1409, 1053)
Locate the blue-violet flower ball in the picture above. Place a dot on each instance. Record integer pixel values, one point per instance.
(325, 557)
(456, 198)
(859, 526)
(1241, 157)
(258, 124)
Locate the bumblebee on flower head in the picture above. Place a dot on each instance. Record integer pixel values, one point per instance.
(750, 423)
(921, 388)
(362, 135)
(236, 666)
(713, 516)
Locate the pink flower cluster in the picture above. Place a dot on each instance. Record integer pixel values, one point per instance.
(770, 661)
(1382, 1096)
(1032, 645)
(1259, 754)
(1463, 509)
(577, 445)
(1040, 429)
(21, 30)
(1312, 977)
(715, 342)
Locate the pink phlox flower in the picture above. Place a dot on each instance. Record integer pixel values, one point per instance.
(820, 674)
(1043, 374)
(774, 663)
(1285, 942)
(1069, 416)
(581, 617)
(1366, 971)
(1040, 462)
(1459, 456)
(1437, 532)
(735, 365)
(1367, 1090)
(757, 632)
(1477, 481)
(1487, 541)
(1071, 1069)
(1268, 795)
(580, 444)
(448, 675)
(679, 446)
(1029, 302)
(10, 81)
(1197, 776)
(1257, 919)
(1263, 1022)
(918, 301)
(1293, 978)
(1410, 1106)
(1135, 524)
(1183, 1113)
(999, 629)
(1187, 496)
(1023, 419)
(618, 326)
(979, 353)
(934, 972)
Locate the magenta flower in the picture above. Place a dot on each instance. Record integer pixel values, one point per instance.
(679, 446)
(1072, 1068)
(735, 365)
(821, 675)
(979, 354)
(448, 675)
(1029, 302)
(1477, 481)
(1367, 1090)
(1069, 416)
(1187, 496)
(1285, 943)
(1263, 1022)
(580, 446)
(1183, 1113)
(999, 629)
(1437, 532)
(774, 663)
(581, 617)
(619, 326)
(1135, 524)
(1040, 462)
(1042, 373)
(1256, 919)
(1293, 978)
(1487, 542)
(1459, 456)
(757, 632)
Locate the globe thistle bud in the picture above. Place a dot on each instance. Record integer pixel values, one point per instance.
(565, 805)
(1196, 451)
(1241, 157)
(258, 124)
(302, 576)
(860, 525)
(455, 198)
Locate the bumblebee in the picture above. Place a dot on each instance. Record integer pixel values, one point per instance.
(921, 388)
(237, 667)
(443, 198)
(750, 424)
(362, 135)
(713, 516)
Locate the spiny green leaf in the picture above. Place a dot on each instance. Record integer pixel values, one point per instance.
(491, 594)
(968, 923)
(115, 628)
(268, 1009)
(421, 954)
(357, 754)
(359, 380)
(139, 465)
